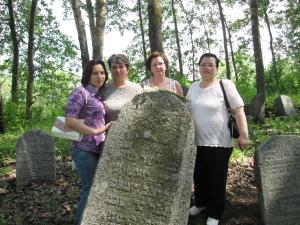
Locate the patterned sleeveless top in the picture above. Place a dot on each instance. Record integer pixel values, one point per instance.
(172, 85)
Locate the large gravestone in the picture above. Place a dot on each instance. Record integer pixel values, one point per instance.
(284, 106)
(278, 167)
(35, 158)
(145, 173)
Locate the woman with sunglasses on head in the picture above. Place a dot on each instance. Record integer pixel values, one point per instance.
(212, 137)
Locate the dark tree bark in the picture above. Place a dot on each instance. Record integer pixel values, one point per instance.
(177, 39)
(224, 39)
(30, 77)
(15, 45)
(143, 36)
(81, 32)
(155, 23)
(258, 109)
(232, 53)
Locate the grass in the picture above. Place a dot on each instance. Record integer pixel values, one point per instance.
(258, 133)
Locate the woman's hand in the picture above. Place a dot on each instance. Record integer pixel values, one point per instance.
(242, 142)
(102, 129)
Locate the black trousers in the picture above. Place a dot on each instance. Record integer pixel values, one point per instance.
(210, 176)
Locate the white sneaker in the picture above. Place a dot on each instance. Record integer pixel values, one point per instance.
(212, 221)
(194, 211)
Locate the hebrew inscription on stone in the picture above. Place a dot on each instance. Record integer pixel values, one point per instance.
(278, 166)
(145, 173)
(35, 158)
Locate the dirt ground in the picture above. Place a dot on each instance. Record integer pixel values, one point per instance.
(54, 203)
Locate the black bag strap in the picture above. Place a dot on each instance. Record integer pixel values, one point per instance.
(225, 98)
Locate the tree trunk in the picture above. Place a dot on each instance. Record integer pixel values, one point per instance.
(81, 32)
(258, 109)
(2, 127)
(177, 40)
(92, 25)
(155, 23)
(189, 22)
(15, 45)
(272, 48)
(143, 36)
(232, 53)
(30, 77)
(100, 27)
(224, 40)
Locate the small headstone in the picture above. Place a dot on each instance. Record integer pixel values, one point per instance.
(278, 168)
(258, 107)
(145, 173)
(35, 158)
(284, 106)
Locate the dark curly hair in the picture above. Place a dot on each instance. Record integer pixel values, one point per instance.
(88, 70)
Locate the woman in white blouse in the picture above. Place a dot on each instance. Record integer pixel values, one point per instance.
(212, 137)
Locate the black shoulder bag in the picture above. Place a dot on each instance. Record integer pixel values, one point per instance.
(234, 131)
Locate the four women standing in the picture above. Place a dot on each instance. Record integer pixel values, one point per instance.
(208, 110)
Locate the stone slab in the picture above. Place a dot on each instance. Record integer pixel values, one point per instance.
(278, 169)
(145, 173)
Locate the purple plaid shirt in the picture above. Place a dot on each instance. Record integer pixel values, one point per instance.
(85, 103)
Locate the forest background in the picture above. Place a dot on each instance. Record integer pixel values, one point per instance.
(40, 65)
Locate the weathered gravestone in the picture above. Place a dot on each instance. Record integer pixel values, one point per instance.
(278, 167)
(284, 106)
(35, 157)
(145, 173)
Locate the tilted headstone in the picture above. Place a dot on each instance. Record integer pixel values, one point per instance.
(278, 167)
(284, 106)
(35, 158)
(145, 173)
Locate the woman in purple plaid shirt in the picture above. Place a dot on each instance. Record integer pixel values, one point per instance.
(85, 103)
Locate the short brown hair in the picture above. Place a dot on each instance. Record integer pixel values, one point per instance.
(155, 55)
(119, 59)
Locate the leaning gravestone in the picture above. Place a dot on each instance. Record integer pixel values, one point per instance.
(145, 173)
(278, 165)
(35, 158)
(284, 106)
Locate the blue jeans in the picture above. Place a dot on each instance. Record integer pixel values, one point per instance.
(86, 163)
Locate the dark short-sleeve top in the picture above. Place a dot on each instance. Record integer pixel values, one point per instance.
(85, 103)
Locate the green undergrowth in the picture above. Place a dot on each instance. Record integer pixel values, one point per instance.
(258, 133)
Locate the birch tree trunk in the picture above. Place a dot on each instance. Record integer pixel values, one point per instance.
(15, 45)
(155, 24)
(189, 23)
(143, 36)
(224, 40)
(100, 28)
(274, 64)
(232, 53)
(177, 39)
(30, 77)
(81, 32)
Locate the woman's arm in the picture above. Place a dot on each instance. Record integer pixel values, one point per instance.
(178, 88)
(79, 126)
(241, 122)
